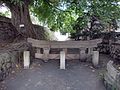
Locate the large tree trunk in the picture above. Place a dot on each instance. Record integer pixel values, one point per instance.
(20, 15)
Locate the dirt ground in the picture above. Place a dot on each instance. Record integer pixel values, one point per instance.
(47, 76)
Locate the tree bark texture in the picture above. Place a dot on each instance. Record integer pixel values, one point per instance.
(20, 15)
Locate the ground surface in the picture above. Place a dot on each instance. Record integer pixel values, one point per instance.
(48, 76)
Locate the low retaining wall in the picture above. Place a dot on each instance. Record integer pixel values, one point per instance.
(115, 50)
(7, 62)
(112, 77)
(112, 49)
(104, 48)
(10, 56)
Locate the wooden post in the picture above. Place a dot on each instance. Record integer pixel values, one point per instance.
(95, 58)
(26, 57)
(46, 54)
(62, 59)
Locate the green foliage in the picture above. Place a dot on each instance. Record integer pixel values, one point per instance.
(66, 15)
(16, 1)
(20, 2)
(2, 14)
(5, 14)
(53, 16)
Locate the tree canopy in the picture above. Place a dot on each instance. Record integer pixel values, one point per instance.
(64, 15)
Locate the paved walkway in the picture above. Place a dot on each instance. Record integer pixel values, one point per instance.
(48, 76)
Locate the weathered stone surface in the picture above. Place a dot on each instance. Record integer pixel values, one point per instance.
(10, 56)
(112, 77)
(26, 58)
(6, 61)
(104, 48)
(95, 58)
(113, 49)
(62, 60)
(82, 54)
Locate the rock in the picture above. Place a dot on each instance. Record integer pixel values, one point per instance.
(91, 67)
(13, 72)
(6, 64)
(93, 70)
(112, 77)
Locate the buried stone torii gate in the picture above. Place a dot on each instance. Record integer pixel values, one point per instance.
(64, 45)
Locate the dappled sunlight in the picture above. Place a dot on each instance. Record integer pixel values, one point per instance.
(61, 37)
(59, 44)
(5, 11)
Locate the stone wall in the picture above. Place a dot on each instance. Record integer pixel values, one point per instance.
(113, 49)
(7, 63)
(104, 48)
(10, 56)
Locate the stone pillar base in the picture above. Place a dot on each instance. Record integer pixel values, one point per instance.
(95, 58)
(62, 60)
(26, 58)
